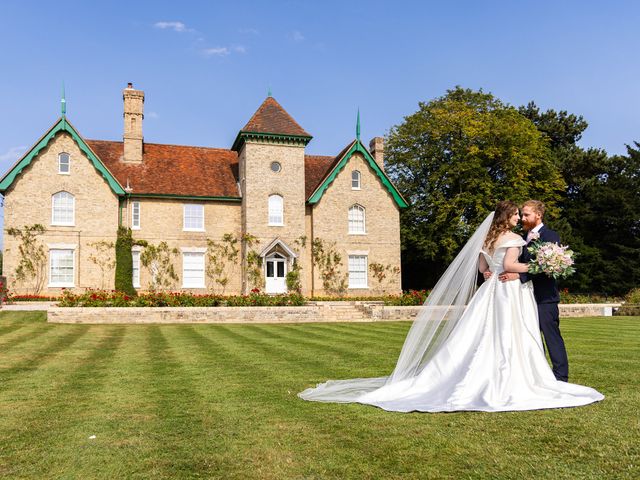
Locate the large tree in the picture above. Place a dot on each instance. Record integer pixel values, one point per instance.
(599, 211)
(453, 160)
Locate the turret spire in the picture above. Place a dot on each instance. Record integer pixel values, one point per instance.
(63, 102)
(358, 126)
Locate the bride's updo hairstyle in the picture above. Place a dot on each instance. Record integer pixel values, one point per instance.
(500, 223)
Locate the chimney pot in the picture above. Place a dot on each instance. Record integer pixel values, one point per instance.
(133, 115)
(376, 147)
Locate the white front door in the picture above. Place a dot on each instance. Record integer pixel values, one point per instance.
(275, 274)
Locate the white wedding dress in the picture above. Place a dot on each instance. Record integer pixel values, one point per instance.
(492, 360)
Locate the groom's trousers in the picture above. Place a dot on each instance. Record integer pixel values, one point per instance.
(549, 316)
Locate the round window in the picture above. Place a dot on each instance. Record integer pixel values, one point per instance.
(276, 167)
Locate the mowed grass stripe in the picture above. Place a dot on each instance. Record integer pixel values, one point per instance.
(55, 344)
(58, 417)
(267, 400)
(182, 415)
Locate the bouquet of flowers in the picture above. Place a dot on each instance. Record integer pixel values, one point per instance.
(551, 259)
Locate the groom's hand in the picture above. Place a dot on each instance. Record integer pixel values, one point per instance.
(508, 276)
(487, 274)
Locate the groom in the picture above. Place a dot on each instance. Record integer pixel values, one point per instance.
(545, 288)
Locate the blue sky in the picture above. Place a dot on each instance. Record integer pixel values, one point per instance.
(206, 66)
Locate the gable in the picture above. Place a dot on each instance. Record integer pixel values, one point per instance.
(62, 125)
(340, 163)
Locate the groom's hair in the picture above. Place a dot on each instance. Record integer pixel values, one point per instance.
(536, 205)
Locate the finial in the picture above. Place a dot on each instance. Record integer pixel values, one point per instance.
(358, 126)
(269, 91)
(63, 102)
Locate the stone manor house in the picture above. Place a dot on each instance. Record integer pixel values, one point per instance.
(232, 219)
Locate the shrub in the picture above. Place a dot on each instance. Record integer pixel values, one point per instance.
(633, 296)
(124, 262)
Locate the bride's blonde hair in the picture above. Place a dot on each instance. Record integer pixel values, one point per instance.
(500, 223)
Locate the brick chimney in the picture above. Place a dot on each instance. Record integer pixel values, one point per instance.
(133, 115)
(376, 147)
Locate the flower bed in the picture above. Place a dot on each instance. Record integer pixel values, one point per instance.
(100, 298)
(30, 298)
(408, 298)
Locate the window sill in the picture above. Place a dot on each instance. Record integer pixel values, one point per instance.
(276, 224)
(64, 173)
(193, 287)
(353, 188)
(135, 228)
(357, 233)
(63, 224)
(193, 230)
(365, 287)
(61, 285)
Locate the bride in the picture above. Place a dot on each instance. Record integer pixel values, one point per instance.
(467, 349)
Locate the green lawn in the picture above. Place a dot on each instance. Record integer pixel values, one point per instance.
(213, 401)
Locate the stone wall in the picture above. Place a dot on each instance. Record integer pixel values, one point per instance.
(318, 312)
(162, 220)
(381, 243)
(258, 182)
(29, 201)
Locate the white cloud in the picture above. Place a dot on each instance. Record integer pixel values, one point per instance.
(216, 51)
(297, 36)
(239, 49)
(175, 26)
(11, 155)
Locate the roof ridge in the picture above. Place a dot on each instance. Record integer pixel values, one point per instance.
(167, 145)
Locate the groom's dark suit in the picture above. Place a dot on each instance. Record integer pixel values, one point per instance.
(547, 296)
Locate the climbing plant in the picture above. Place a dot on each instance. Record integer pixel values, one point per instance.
(329, 262)
(31, 268)
(222, 260)
(102, 257)
(158, 259)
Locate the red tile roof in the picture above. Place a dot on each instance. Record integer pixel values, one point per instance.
(191, 171)
(316, 168)
(173, 169)
(272, 118)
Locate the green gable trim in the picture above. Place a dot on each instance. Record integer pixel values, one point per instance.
(271, 137)
(183, 197)
(358, 147)
(62, 125)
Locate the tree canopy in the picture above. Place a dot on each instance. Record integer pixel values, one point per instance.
(459, 154)
(453, 160)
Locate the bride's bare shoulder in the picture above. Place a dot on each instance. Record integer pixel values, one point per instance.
(507, 237)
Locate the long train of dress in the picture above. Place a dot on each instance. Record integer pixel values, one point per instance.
(493, 361)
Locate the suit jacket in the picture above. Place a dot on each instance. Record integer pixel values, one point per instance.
(545, 288)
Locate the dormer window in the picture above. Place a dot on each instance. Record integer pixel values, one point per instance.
(64, 164)
(355, 180)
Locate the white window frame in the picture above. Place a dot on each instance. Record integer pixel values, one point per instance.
(352, 281)
(73, 210)
(354, 222)
(276, 211)
(134, 204)
(62, 248)
(193, 253)
(68, 172)
(184, 217)
(135, 274)
(357, 177)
